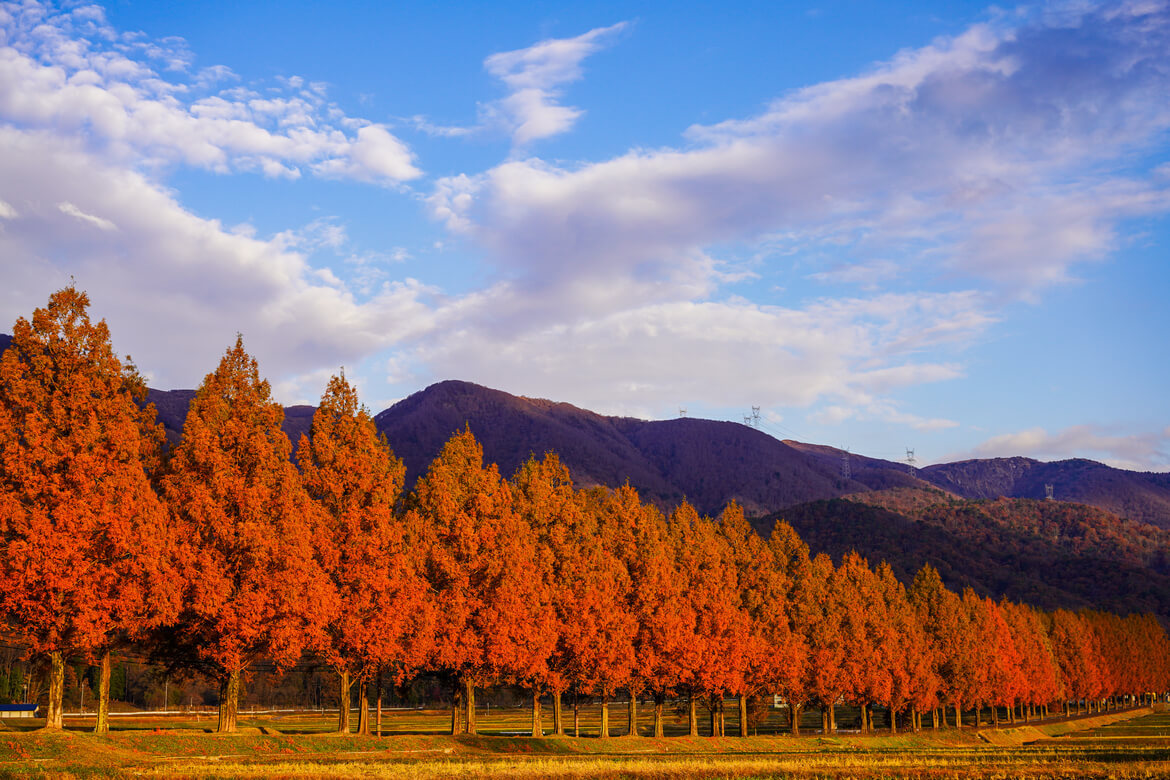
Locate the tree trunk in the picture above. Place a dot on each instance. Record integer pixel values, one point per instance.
(833, 718)
(101, 726)
(558, 715)
(378, 716)
(457, 711)
(576, 715)
(743, 715)
(54, 716)
(958, 716)
(603, 733)
(659, 700)
(893, 719)
(864, 720)
(537, 724)
(229, 703)
(692, 716)
(824, 719)
(995, 715)
(363, 707)
(343, 694)
(470, 703)
(794, 715)
(632, 731)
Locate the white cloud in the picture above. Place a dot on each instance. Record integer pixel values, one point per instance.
(1001, 154)
(1140, 451)
(73, 211)
(70, 73)
(174, 287)
(647, 359)
(7, 211)
(532, 110)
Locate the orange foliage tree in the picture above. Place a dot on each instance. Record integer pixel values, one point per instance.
(348, 468)
(607, 634)
(84, 547)
(547, 502)
(951, 649)
(802, 608)
(716, 656)
(1039, 672)
(493, 621)
(253, 587)
(773, 656)
(900, 644)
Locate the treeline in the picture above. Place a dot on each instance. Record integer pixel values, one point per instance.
(221, 552)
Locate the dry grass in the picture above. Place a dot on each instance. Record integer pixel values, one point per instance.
(1137, 748)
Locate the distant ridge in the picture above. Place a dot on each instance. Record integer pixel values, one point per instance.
(705, 461)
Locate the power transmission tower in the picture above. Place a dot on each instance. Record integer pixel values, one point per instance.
(747, 420)
(911, 462)
(755, 417)
(1048, 492)
(682, 411)
(846, 473)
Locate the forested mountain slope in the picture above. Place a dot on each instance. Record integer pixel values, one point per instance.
(1047, 553)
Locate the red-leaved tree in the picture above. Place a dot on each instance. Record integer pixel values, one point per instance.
(85, 554)
(253, 586)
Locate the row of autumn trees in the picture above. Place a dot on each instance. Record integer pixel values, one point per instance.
(221, 552)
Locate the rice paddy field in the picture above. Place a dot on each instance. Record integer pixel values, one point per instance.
(1134, 744)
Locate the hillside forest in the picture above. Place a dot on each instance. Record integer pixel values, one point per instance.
(221, 552)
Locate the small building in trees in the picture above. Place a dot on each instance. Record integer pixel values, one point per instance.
(17, 711)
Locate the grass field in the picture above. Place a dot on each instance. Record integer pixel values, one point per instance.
(300, 746)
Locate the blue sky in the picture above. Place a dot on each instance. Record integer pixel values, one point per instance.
(936, 226)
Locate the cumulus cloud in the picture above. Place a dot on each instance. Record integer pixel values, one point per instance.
(1002, 154)
(1140, 451)
(990, 164)
(71, 73)
(176, 287)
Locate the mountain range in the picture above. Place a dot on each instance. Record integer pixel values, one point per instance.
(1105, 541)
(706, 462)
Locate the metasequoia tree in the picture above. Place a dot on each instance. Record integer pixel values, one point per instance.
(827, 676)
(545, 498)
(348, 468)
(862, 618)
(84, 544)
(716, 656)
(599, 626)
(253, 586)
(802, 608)
(901, 648)
(1039, 672)
(665, 640)
(493, 621)
(952, 652)
(772, 656)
